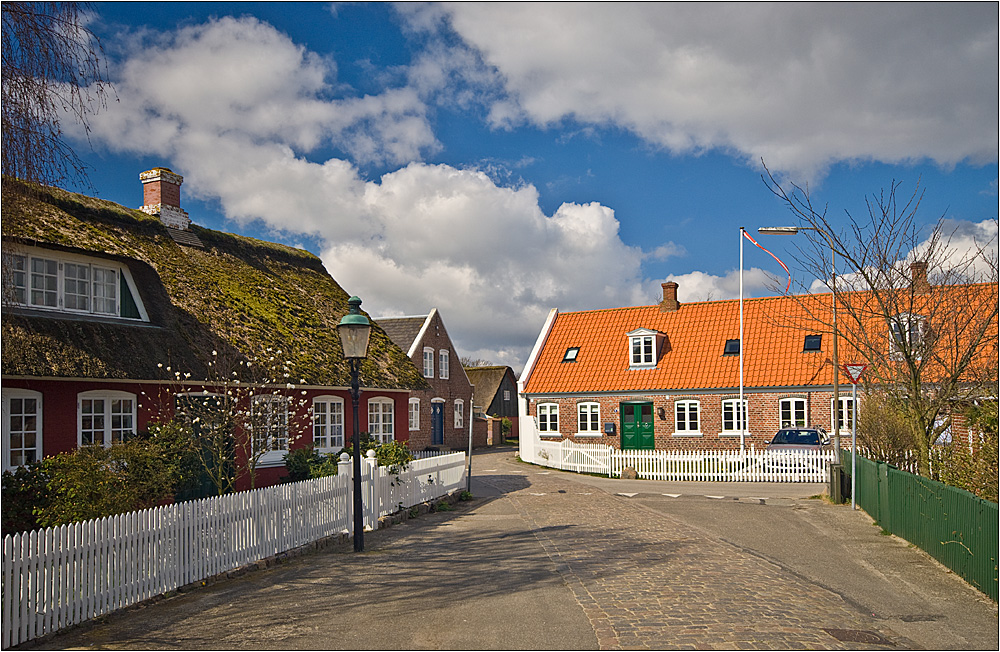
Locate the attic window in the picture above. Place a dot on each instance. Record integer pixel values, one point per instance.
(70, 283)
(732, 347)
(571, 354)
(813, 343)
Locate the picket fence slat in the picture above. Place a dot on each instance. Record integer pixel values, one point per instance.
(64, 575)
(695, 466)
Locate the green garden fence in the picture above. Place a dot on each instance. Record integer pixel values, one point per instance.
(952, 525)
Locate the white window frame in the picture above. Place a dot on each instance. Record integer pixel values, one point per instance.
(548, 418)
(99, 298)
(428, 362)
(20, 395)
(459, 413)
(846, 415)
(793, 405)
(444, 364)
(914, 338)
(588, 419)
(414, 414)
(684, 410)
(643, 348)
(114, 423)
(730, 405)
(381, 419)
(269, 422)
(328, 423)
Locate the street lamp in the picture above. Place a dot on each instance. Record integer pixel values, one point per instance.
(792, 230)
(354, 329)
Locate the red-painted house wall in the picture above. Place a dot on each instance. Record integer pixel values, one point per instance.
(155, 402)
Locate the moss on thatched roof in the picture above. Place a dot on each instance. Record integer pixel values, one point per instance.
(241, 297)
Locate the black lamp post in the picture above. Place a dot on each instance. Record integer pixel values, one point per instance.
(354, 329)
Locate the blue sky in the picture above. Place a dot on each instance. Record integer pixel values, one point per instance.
(498, 160)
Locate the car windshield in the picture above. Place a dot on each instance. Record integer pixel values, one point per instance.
(801, 437)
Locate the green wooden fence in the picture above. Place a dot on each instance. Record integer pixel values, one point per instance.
(952, 525)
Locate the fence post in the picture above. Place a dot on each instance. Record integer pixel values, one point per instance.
(373, 508)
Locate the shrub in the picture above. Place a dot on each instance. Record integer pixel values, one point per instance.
(23, 490)
(306, 462)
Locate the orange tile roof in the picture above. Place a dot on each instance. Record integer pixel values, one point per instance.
(692, 355)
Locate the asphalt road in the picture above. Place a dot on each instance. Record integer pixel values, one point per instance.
(549, 560)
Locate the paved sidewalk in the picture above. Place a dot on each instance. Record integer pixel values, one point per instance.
(548, 560)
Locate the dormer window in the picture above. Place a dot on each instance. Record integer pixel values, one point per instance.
(44, 280)
(644, 347)
(732, 347)
(571, 354)
(813, 343)
(907, 332)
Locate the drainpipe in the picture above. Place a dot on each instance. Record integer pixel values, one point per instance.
(472, 418)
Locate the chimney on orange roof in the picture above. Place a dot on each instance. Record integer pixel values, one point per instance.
(669, 303)
(161, 196)
(918, 277)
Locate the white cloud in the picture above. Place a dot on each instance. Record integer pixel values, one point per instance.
(699, 286)
(420, 237)
(802, 85)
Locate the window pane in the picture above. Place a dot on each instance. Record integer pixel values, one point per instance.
(44, 282)
(105, 291)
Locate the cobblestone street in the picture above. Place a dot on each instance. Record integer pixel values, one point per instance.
(549, 560)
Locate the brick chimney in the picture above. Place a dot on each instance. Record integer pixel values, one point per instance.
(918, 278)
(669, 303)
(161, 196)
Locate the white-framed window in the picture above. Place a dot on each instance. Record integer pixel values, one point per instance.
(459, 413)
(41, 279)
(444, 367)
(588, 418)
(380, 419)
(22, 427)
(506, 394)
(414, 407)
(328, 423)
(104, 417)
(642, 350)
(687, 417)
(845, 416)
(548, 417)
(792, 413)
(269, 427)
(908, 333)
(428, 362)
(734, 419)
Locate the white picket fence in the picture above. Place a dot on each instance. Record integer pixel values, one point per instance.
(61, 576)
(706, 465)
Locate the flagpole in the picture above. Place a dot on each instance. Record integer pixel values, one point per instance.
(741, 415)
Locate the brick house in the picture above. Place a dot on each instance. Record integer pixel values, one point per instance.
(113, 318)
(496, 395)
(439, 417)
(667, 376)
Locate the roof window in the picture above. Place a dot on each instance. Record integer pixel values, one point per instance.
(571, 354)
(732, 347)
(813, 343)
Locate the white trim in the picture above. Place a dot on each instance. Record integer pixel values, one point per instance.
(18, 393)
(536, 350)
(107, 396)
(332, 400)
(409, 405)
(382, 401)
(420, 334)
(423, 361)
(588, 433)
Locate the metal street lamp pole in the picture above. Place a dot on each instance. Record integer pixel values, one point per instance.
(354, 330)
(792, 230)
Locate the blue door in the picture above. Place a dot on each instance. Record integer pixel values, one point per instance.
(437, 423)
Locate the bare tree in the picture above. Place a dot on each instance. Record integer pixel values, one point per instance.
(920, 311)
(52, 64)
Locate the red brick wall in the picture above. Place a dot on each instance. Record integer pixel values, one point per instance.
(762, 416)
(161, 192)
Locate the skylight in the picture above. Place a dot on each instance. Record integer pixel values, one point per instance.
(813, 343)
(732, 347)
(571, 354)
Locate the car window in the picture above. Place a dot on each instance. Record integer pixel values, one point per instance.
(797, 437)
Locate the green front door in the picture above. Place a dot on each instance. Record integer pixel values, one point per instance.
(637, 426)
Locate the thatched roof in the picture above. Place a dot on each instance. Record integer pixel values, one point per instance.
(487, 382)
(241, 297)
